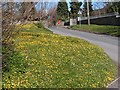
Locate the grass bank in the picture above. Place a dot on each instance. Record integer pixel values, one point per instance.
(99, 29)
(45, 60)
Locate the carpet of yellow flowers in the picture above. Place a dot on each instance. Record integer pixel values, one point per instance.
(46, 60)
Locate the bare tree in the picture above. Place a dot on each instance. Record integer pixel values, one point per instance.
(27, 10)
(46, 12)
(8, 18)
(11, 14)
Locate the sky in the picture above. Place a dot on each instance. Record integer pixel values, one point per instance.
(96, 5)
(69, 3)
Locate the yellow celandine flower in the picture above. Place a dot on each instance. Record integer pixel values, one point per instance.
(8, 86)
(93, 85)
(53, 40)
(27, 26)
(109, 78)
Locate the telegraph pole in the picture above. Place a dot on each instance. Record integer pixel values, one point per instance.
(88, 15)
(79, 18)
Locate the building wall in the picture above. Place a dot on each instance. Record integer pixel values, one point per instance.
(73, 22)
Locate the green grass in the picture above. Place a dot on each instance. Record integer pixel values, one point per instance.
(45, 60)
(99, 29)
(33, 28)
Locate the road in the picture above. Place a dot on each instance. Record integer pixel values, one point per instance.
(108, 43)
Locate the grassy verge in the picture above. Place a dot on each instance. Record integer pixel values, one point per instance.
(45, 60)
(99, 29)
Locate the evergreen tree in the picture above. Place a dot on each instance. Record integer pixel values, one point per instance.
(75, 7)
(115, 7)
(85, 8)
(62, 10)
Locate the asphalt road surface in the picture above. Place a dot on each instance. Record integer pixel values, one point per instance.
(108, 43)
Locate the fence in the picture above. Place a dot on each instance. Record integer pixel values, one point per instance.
(100, 16)
(108, 20)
